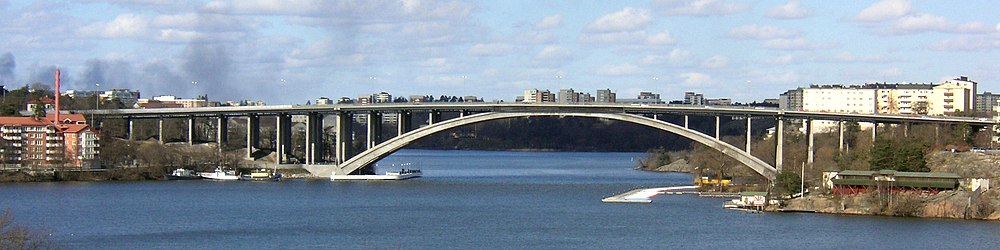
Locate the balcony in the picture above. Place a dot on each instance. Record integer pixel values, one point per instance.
(53, 145)
(53, 138)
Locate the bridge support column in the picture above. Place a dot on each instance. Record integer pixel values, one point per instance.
(685, 121)
(840, 128)
(906, 129)
(190, 137)
(282, 137)
(159, 129)
(874, 131)
(253, 134)
(433, 116)
(655, 117)
(810, 140)
(129, 132)
(717, 125)
(374, 129)
(314, 138)
(779, 132)
(749, 137)
(222, 132)
(344, 139)
(403, 122)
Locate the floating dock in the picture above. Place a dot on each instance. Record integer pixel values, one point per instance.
(644, 195)
(373, 177)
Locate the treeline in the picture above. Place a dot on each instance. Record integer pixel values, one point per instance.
(13, 101)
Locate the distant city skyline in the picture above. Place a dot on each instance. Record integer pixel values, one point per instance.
(290, 52)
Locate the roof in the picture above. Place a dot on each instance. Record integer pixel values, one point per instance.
(23, 121)
(74, 128)
(899, 174)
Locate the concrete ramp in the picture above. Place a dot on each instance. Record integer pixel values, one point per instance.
(324, 171)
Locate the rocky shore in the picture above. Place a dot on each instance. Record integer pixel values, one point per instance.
(949, 205)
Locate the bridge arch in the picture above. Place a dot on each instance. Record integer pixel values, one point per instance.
(383, 149)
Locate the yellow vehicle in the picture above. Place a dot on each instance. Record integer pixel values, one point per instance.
(708, 181)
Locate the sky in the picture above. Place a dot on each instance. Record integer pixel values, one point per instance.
(290, 52)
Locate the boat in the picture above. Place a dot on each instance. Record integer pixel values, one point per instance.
(183, 174)
(261, 175)
(402, 174)
(220, 174)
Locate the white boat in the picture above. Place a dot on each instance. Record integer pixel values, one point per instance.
(220, 174)
(388, 176)
(183, 174)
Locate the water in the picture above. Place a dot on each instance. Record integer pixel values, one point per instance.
(466, 200)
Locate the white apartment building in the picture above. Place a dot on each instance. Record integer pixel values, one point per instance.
(839, 99)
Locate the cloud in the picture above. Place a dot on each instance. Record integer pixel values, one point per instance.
(890, 72)
(695, 79)
(760, 32)
(123, 26)
(549, 22)
(780, 60)
(675, 57)
(629, 37)
(927, 23)
(791, 10)
(851, 58)
(628, 19)
(715, 62)
(491, 49)
(777, 76)
(794, 44)
(699, 7)
(619, 70)
(884, 10)
(968, 43)
(554, 53)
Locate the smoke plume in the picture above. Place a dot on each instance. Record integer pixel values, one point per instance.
(7, 65)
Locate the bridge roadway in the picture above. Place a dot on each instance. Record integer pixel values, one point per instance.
(347, 161)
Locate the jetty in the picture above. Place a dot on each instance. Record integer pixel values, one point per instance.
(644, 195)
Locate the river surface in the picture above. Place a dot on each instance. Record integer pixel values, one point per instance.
(466, 200)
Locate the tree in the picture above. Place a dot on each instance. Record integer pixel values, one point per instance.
(899, 154)
(13, 236)
(787, 182)
(38, 111)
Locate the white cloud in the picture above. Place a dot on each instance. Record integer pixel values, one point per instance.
(628, 19)
(890, 72)
(619, 70)
(123, 26)
(780, 60)
(662, 38)
(553, 53)
(794, 44)
(715, 62)
(549, 22)
(851, 58)
(695, 79)
(779, 76)
(791, 10)
(491, 49)
(968, 43)
(927, 23)
(675, 57)
(884, 10)
(699, 7)
(760, 32)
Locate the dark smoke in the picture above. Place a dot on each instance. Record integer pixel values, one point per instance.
(110, 74)
(209, 65)
(160, 79)
(7, 65)
(46, 76)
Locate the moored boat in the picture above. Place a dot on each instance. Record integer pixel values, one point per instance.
(261, 175)
(388, 176)
(220, 174)
(183, 174)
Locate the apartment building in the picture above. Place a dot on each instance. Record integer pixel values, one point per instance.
(40, 142)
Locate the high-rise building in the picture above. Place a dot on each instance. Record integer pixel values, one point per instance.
(29, 141)
(538, 96)
(693, 98)
(986, 102)
(605, 96)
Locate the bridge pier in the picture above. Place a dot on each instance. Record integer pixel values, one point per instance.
(906, 129)
(433, 116)
(159, 129)
(874, 131)
(840, 128)
(686, 121)
(343, 139)
(717, 127)
(222, 132)
(403, 122)
(374, 129)
(129, 130)
(809, 141)
(779, 132)
(190, 132)
(314, 137)
(253, 134)
(282, 137)
(749, 137)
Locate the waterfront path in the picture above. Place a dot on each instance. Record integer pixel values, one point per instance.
(643, 195)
